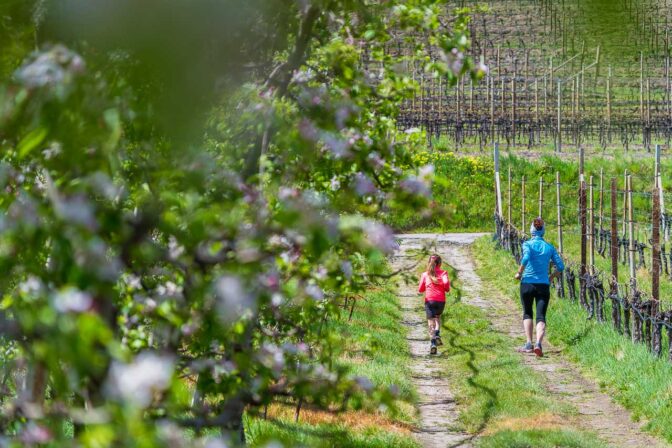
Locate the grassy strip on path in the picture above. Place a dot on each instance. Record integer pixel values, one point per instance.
(628, 371)
(377, 349)
(499, 397)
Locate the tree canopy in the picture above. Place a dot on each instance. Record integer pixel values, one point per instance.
(189, 192)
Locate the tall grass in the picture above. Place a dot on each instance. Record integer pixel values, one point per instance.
(377, 349)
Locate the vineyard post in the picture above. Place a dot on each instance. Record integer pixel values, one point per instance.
(582, 218)
(609, 105)
(625, 203)
(641, 86)
(502, 105)
(558, 146)
(591, 226)
(440, 96)
(508, 209)
(541, 196)
(601, 217)
(668, 86)
(527, 64)
(492, 109)
(582, 155)
(471, 96)
(661, 193)
(655, 267)
(513, 108)
(536, 101)
(561, 290)
(545, 96)
(422, 97)
(636, 332)
(498, 189)
(631, 235)
(615, 309)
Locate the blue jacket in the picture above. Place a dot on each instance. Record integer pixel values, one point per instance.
(537, 255)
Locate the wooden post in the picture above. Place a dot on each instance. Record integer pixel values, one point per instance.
(609, 102)
(509, 200)
(654, 328)
(541, 196)
(591, 224)
(513, 108)
(561, 289)
(661, 193)
(615, 309)
(631, 236)
(584, 234)
(625, 203)
(471, 97)
(601, 217)
(582, 155)
(536, 101)
(655, 248)
(641, 86)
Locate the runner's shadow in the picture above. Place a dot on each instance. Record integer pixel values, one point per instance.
(473, 378)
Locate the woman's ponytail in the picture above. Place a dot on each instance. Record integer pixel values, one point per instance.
(434, 262)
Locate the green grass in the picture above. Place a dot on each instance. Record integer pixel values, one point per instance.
(627, 371)
(376, 349)
(324, 436)
(493, 386)
(539, 439)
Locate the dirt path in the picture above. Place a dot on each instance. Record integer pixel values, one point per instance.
(596, 411)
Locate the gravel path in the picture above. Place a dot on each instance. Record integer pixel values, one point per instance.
(438, 413)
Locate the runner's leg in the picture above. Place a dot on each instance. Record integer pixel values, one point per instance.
(542, 299)
(527, 300)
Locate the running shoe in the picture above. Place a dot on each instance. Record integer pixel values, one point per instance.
(538, 351)
(432, 348)
(437, 338)
(527, 348)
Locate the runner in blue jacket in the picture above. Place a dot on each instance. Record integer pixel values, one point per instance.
(535, 283)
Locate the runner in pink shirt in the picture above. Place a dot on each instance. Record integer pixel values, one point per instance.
(435, 284)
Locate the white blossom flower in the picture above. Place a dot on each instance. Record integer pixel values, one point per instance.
(72, 300)
(381, 236)
(136, 383)
(175, 250)
(314, 292)
(31, 286)
(233, 300)
(363, 185)
(335, 184)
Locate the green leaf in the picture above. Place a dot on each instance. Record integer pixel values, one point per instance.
(31, 141)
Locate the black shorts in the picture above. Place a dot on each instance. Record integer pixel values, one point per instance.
(531, 293)
(434, 309)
